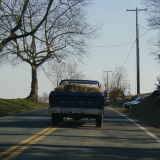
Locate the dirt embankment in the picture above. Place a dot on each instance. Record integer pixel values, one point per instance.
(149, 109)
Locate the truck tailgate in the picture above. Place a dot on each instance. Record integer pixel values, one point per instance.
(76, 99)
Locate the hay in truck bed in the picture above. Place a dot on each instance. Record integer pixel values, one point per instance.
(77, 99)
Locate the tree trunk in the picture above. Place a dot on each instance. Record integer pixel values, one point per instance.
(34, 85)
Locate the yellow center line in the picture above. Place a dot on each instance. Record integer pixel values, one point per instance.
(27, 143)
(23, 148)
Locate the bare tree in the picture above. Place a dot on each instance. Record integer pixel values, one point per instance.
(158, 85)
(63, 34)
(59, 71)
(71, 72)
(153, 9)
(119, 79)
(13, 18)
(44, 97)
(117, 83)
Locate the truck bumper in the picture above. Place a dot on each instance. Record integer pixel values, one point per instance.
(65, 110)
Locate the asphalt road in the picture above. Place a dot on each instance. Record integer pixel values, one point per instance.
(30, 136)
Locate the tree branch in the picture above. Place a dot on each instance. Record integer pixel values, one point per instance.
(14, 36)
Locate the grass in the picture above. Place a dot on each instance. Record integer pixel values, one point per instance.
(14, 106)
(148, 111)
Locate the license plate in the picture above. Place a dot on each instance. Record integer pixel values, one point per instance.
(76, 110)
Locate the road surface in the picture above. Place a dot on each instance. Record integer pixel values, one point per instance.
(30, 136)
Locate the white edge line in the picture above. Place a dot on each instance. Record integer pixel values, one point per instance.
(139, 126)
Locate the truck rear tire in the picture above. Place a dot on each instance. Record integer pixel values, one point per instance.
(99, 121)
(55, 119)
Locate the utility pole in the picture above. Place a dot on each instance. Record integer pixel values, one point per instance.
(137, 47)
(107, 79)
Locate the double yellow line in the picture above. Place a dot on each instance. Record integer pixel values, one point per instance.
(25, 144)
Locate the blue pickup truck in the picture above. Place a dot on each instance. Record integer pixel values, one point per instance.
(77, 105)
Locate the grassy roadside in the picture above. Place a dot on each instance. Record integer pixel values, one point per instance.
(119, 107)
(13, 106)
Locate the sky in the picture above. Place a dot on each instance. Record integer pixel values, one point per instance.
(110, 50)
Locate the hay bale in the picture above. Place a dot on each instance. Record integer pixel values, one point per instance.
(66, 87)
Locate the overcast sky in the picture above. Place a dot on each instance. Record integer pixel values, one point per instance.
(106, 52)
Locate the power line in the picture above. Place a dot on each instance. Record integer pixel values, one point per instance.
(130, 38)
(125, 49)
(144, 27)
(122, 44)
(46, 74)
(148, 30)
(129, 53)
(114, 45)
(118, 33)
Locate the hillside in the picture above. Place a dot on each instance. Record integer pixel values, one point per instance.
(149, 110)
(13, 106)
